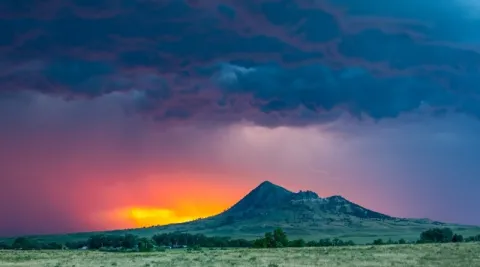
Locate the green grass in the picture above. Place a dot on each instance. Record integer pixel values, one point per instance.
(358, 235)
(429, 255)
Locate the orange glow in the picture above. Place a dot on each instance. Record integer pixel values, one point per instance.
(148, 216)
(163, 200)
(152, 216)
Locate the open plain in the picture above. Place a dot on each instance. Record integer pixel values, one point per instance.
(429, 255)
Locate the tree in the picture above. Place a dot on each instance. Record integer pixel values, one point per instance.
(436, 235)
(337, 242)
(270, 240)
(130, 241)
(260, 243)
(276, 239)
(378, 242)
(96, 241)
(25, 243)
(145, 244)
(280, 237)
(325, 242)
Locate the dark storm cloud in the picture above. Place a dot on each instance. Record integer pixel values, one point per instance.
(273, 61)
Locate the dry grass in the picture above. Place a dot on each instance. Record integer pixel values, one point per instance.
(451, 255)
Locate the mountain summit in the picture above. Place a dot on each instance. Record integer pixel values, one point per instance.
(265, 196)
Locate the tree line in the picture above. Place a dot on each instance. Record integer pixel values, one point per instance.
(130, 242)
(433, 235)
(276, 239)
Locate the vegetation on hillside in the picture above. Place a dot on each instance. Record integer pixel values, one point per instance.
(276, 239)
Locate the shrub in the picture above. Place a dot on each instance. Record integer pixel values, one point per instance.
(473, 238)
(25, 243)
(457, 238)
(276, 239)
(145, 245)
(436, 235)
(4, 245)
(298, 243)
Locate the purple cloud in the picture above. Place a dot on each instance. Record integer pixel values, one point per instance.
(169, 53)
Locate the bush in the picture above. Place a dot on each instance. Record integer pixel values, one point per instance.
(349, 243)
(298, 243)
(436, 235)
(160, 249)
(25, 243)
(473, 238)
(51, 245)
(457, 238)
(276, 239)
(325, 242)
(337, 242)
(129, 241)
(185, 239)
(145, 245)
(4, 245)
(76, 244)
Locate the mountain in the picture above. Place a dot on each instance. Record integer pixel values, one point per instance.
(304, 205)
(302, 215)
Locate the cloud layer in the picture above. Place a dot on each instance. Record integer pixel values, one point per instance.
(274, 62)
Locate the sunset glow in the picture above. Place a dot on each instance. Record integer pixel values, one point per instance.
(149, 216)
(145, 216)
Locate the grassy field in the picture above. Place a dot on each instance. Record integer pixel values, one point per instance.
(451, 255)
(359, 236)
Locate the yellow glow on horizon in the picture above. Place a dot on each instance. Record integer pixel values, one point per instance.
(155, 206)
(149, 216)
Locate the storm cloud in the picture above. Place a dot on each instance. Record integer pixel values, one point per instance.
(275, 62)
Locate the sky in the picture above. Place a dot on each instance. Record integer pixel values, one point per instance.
(120, 114)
